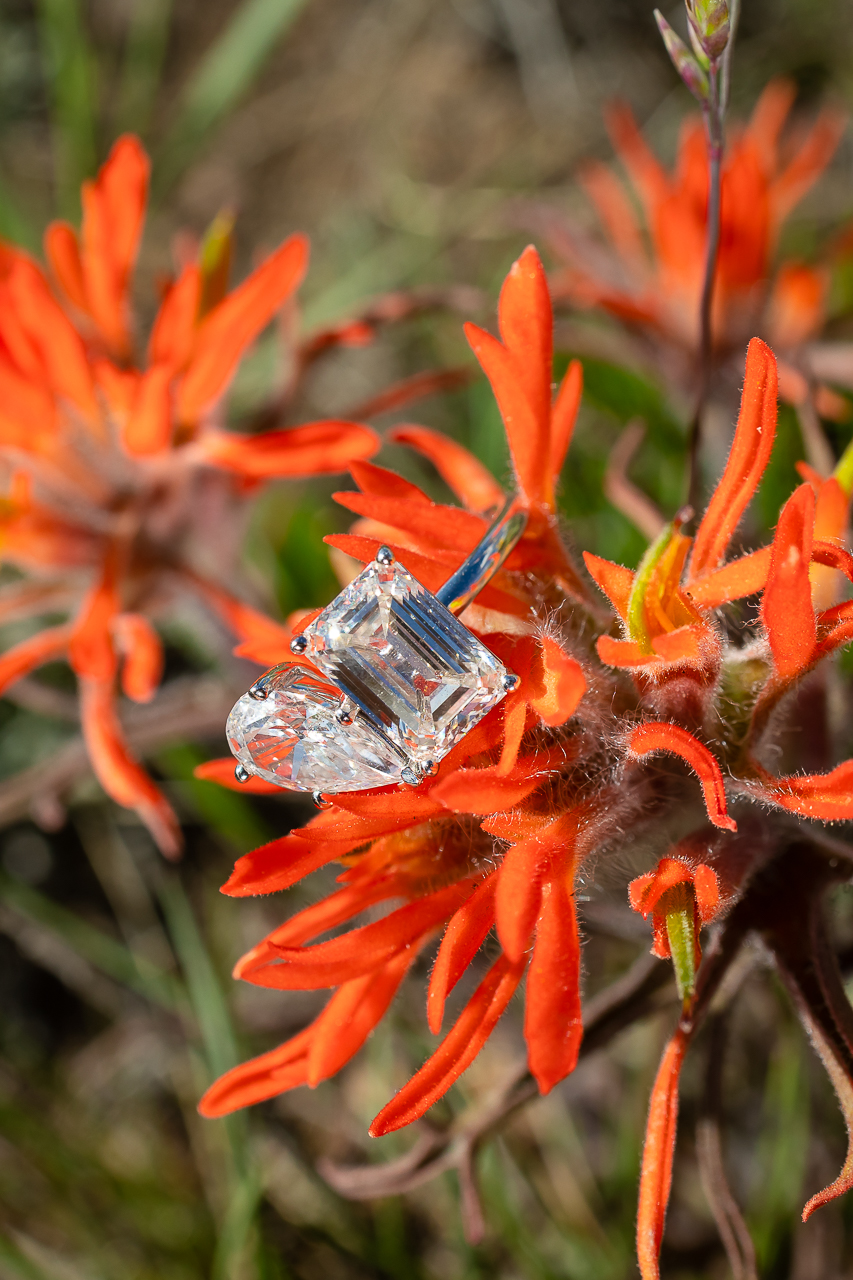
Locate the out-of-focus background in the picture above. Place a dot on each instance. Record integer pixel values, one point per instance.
(408, 138)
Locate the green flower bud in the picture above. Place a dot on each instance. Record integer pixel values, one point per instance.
(687, 66)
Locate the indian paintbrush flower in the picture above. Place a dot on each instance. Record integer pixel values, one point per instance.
(649, 719)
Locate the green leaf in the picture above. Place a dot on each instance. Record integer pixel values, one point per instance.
(70, 72)
(226, 72)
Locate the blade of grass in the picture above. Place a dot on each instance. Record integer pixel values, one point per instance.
(143, 64)
(70, 73)
(102, 951)
(220, 1048)
(16, 1264)
(226, 72)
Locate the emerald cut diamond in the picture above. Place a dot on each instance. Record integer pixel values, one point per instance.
(414, 674)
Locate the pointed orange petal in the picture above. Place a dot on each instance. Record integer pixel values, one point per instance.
(351, 1015)
(739, 578)
(652, 737)
(552, 1021)
(827, 796)
(786, 606)
(173, 331)
(462, 940)
(386, 484)
(229, 328)
(645, 170)
(121, 776)
(282, 1068)
(485, 791)
(707, 888)
(527, 434)
(519, 889)
(123, 181)
(526, 324)
(658, 1151)
(564, 415)
(221, 771)
(749, 455)
(614, 580)
(472, 483)
(149, 425)
(563, 684)
(456, 1052)
(62, 250)
(312, 449)
(808, 164)
(516, 715)
(26, 655)
(277, 866)
(625, 654)
(142, 649)
(58, 342)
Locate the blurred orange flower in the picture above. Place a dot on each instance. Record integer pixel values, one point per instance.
(120, 475)
(651, 275)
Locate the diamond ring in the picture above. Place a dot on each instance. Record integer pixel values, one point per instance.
(396, 680)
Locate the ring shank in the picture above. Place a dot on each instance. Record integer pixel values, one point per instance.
(485, 560)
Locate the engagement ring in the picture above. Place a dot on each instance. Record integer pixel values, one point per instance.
(397, 680)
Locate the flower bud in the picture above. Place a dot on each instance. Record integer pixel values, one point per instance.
(709, 20)
(688, 67)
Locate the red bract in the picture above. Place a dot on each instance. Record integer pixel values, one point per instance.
(644, 719)
(121, 477)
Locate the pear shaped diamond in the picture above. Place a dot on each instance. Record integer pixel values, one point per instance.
(291, 737)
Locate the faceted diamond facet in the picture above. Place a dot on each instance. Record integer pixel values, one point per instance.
(417, 675)
(291, 738)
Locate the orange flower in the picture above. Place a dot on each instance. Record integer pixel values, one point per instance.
(660, 292)
(118, 472)
(592, 744)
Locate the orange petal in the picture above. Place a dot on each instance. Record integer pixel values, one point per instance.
(563, 684)
(826, 796)
(456, 1052)
(472, 483)
(62, 250)
(221, 771)
(462, 940)
(484, 791)
(614, 580)
(229, 328)
(277, 866)
(526, 324)
(282, 1068)
(786, 606)
(552, 1022)
(121, 776)
(658, 1151)
(739, 578)
(149, 425)
(123, 181)
(564, 415)
(59, 345)
(142, 648)
(26, 655)
(651, 737)
(173, 331)
(385, 483)
(312, 449)
(645, 170)
(351, 1015)
(808, 164)
(435, 524)
(519, 890)
(749, 455)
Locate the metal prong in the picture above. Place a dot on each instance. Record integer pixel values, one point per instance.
(429, 768)
(346, 712)
(385, 556)
(321, 801)
(258, 690)
(510, 681)
(410, 777)
(298, 644)
(241, 773)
